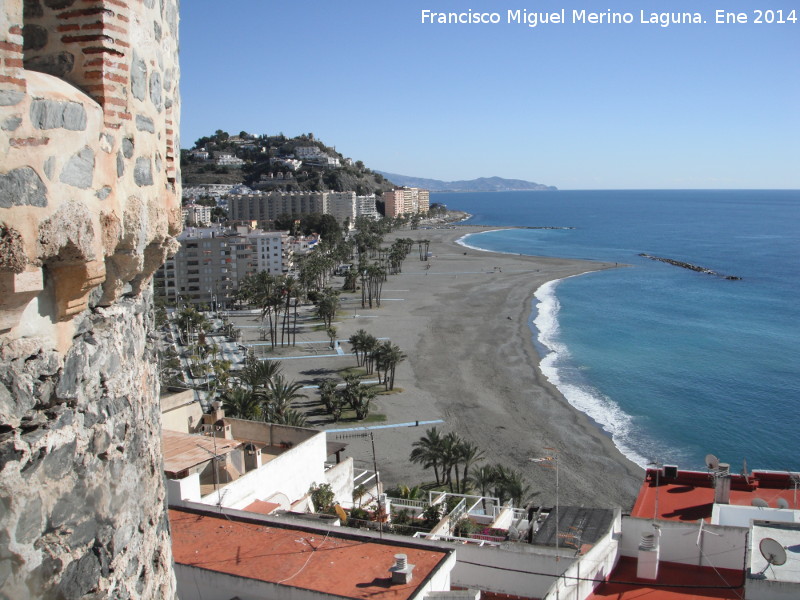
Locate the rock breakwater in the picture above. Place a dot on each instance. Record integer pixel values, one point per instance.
(690, 266)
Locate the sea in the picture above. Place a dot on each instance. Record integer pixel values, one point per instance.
(673, 364)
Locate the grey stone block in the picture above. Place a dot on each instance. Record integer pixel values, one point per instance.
(120, 165)
(79, 170)
(127, 147)
(57, 64)
(34, 37)
(50, 114)
(145, 124)
(138, 77)
(29, 525)
(64, 511)
(11, 123)
(80, 577)
(10, 97)
(50, 167)
(33, 9)
(22, 187)
(104, 192)
(156, 91)
(143, 172)
(60, 462)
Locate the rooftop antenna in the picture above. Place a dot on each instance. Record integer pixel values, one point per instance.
(760, 502)
(782, 503)
(657, 464)
(773, 552)
(371, 436)
(795, 478)
(712, 462)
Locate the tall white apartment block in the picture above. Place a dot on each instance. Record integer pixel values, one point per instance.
(365, 207)
(196, 214)
(342, 206)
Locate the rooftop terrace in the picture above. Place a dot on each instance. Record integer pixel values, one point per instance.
(344, 565)
(675, 582)
(689, 495)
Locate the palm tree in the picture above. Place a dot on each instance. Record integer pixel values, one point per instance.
(364, 396)
(370, 345)
(258, 373)
(357, 341)
(240, 403)
(390, 356)
(280, 394)
(293, 418)
(327, 306)
(451, 451)
(327, 393)
(516, 488)
(469, 454)
(482, 480)
(428, 452)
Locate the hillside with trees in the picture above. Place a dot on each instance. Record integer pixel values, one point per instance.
(268, 164)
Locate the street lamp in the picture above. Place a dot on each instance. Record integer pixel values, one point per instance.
(548, 462)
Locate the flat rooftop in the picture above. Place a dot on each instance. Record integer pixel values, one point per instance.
(185, 450)
(689, 496)
(335, 563)
(578, 528)
(784, 535)
(675, 582)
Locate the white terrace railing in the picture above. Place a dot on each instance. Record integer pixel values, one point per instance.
(484, 541)
(405, 503)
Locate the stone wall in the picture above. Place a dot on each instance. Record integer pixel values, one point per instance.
(81, 492)
(89, 208)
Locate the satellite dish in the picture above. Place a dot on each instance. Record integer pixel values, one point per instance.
(760, 502)
(782, 503)
(772, 551)
(712, 462)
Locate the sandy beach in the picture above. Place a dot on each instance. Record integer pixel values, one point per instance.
(462, 319)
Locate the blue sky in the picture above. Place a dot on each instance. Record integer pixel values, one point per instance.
(578, 106)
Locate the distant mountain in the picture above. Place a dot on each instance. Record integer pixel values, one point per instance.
(482, 184)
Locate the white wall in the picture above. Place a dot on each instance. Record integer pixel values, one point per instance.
(340, 478)
(510, 570)
(193, 582)
(722, 546)
(742, 516)
(765, 589)
(180, 491)
(291, 473)
(596, 564)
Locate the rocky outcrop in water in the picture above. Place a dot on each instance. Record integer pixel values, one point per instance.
(690, 266)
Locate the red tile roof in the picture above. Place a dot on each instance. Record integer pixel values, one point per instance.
(688, 583)
(345, 565)
(690, 495)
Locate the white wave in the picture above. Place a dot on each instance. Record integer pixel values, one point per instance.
(555, 366)
(462, 242)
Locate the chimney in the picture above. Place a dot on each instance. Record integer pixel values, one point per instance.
(401, 570)
(722, 484)
(647, 563)
(216, 411)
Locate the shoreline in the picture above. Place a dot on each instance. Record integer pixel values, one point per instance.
(462, 318)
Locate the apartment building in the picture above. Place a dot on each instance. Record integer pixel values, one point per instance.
(342, 206)
(405, 201)
(213, 261)
(365, 207)
(196, 214)
(264, 207)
